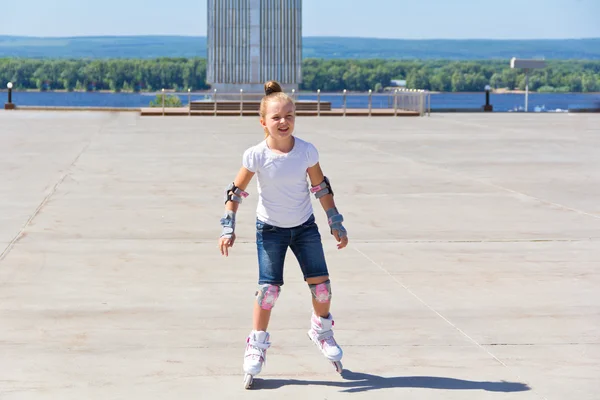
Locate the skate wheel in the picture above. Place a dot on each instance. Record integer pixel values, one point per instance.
(248, 381)
(338, 366)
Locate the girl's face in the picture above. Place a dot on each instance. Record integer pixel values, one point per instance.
(279, 119)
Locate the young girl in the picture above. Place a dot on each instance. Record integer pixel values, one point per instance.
(285, 219)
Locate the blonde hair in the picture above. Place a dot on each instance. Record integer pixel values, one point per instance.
(273, 92)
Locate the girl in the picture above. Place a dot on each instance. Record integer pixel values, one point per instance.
(285, 219)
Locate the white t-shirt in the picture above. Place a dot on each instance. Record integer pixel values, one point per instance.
(283, 189)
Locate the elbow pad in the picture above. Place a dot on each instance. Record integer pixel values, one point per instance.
(234, 193)
(322, 189)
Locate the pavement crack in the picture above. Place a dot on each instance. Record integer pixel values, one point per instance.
(45, 200)
(479, 345)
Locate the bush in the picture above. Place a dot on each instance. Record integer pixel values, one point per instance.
(170, 101)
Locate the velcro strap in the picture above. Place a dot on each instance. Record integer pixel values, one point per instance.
(235, 198)
(260, 345)
(322, 193)
(325, 335)
(335, 219)
(240, 192)
(315, 189)
(320, 190)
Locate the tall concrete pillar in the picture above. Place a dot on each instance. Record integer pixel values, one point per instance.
(253, 41)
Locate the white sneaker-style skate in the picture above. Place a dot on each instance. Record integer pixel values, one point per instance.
(321, 334)
(255, 355)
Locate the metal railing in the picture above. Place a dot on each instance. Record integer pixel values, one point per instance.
(395, 102)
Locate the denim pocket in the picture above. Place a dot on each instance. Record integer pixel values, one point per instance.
(263, 227)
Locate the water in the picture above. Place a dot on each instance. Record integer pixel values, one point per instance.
(501, 102)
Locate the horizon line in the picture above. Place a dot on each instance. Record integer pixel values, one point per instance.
(303, 36)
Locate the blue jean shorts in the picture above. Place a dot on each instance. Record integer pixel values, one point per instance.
(272, 243)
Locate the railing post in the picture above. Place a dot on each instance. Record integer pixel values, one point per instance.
(345, 102)
(163, 102)
(189, 102)
(370, 101)
(429, 104)
(395, 102)
(318, 102)
(241, 102)
(215, 102)
(404, 99)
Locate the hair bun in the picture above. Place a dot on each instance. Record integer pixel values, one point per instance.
(272, 87)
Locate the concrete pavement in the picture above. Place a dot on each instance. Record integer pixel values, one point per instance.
(472, 270)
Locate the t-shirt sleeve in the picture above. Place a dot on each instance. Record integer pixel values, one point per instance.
(249, 160)
(313, 155)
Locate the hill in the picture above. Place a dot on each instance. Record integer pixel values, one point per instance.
(144, 47)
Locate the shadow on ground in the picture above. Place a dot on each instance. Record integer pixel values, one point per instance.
(361, 382)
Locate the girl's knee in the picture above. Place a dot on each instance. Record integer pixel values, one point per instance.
(321, 291)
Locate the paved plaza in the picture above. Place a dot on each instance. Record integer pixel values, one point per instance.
(472, 272)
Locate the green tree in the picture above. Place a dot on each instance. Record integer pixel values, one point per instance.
(590, 83)
(417, 79)
(459, 83)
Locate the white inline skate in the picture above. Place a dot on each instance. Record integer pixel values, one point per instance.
(321, 334)
(255, 355)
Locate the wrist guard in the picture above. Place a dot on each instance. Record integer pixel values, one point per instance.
(335, 219)
(228, 224)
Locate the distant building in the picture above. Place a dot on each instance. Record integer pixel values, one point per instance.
(398, 83)
(254, 41)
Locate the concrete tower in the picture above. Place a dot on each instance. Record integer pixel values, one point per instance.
(254, 41)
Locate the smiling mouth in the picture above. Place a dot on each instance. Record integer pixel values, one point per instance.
(283, 129)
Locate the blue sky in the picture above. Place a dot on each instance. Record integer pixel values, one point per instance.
(411, 19)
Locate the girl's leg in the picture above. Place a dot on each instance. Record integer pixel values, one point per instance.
(321, 309)
(308, 249)
(271, 244)
(260, 318)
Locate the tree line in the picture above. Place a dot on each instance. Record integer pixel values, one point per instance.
(327, 75)
(114, 75)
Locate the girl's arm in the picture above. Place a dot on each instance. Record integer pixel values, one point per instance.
(334, 218)
(234, 195)
(241, 181)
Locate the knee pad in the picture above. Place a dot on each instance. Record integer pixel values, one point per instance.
(267, 295)
(321, 292)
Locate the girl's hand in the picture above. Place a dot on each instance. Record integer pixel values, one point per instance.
(342, 242)
(225, 243)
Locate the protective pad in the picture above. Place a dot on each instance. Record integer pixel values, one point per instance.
(234, 193)
(228, 224)
(321, 292)
(267, 295)
(322, 189)
(335, 219)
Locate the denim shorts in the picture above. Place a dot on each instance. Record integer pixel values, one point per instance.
(272, 243)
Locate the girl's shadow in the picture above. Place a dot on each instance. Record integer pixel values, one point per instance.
(361, 382)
